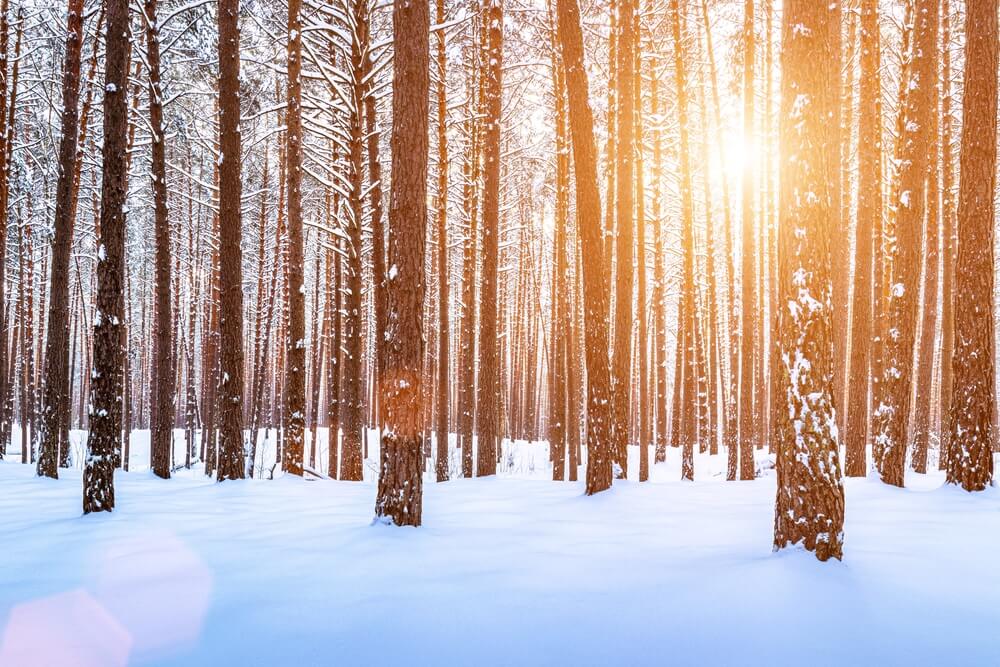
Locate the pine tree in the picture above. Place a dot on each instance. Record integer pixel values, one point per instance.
(907, 214)
(970, 459)
(351, 395)
(588, 211)
(810, 501)
(748, 280)
(109, 320)
(868, 224)
(295, 369)
(441, 425)
(52, 439)
(230, 392)
(621, 359)
(399, 497)
(164, 368)
(685, 402)
(488, 400)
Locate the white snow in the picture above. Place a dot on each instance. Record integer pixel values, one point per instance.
(509, 570)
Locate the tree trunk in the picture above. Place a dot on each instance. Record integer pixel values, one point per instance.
(970, 460)
(230, 456)
(51, 438)
(686, 409)
(399, 499)
(164, 369)
(295, 368)
(950, 240)
(893, 388)
(867, 225)
(588, 211)
(442, 229)
(621, 359)
(810, 501)
(488, 403)
(109, 322)
(748, 281)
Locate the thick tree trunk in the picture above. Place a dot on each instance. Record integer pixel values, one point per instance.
(970, 460)
(162, 400)
(352, 397)
(686, 410)
(893, 387)
(399, 499)
(810, 502)
(109, 322)
(295, 368)
(488, 401)
(588, 210)
(621, 359)
(230, 455)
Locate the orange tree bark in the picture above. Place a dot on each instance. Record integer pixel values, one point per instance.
(402, 464)
(809, 508)
(868, 224)
(950, 242)
(893, 387)
(489, 395)
(970, 460)
(588, 210)
(621, 359)
(748, 314)
(687, 320)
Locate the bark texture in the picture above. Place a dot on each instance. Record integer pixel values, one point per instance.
(809, 509)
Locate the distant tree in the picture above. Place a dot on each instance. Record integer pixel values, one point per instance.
(810, 501)
(970, 459)
(400, 482)
(109, 320)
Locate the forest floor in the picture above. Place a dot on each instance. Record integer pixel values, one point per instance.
(509, 570)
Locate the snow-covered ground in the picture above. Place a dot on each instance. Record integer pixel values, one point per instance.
(509, 570)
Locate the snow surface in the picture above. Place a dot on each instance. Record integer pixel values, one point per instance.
(509, 570)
